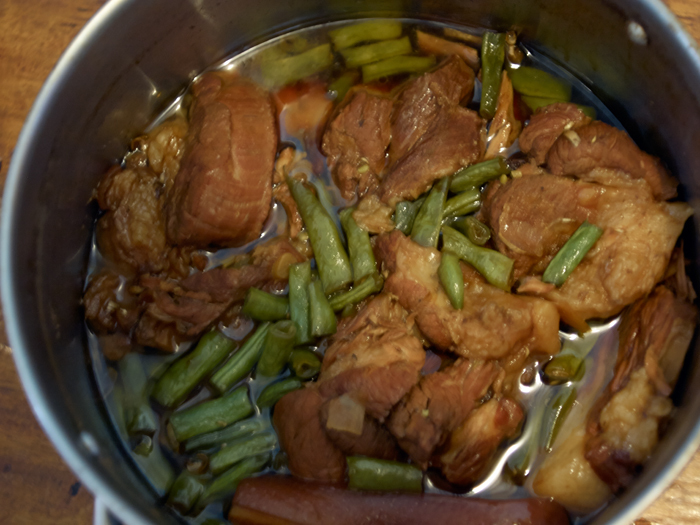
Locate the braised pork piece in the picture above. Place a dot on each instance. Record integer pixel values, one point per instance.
(355, 277)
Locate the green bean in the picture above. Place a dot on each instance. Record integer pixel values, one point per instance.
(225, 435)
(144, 446)
(278, 348)
(493, 53)
(304, 363)
(278, 72)
(558, 413)
(396, 66)
(242, 362)
(426, 227)
(537, 83)
(452, 279)
(341, 85)
(475, 230)
(277, 391)
(572, 253)
(323, 320)
(361, 55)
(186, 373)
(478, 174)
(225, 485)
(369, 31)
(466, 202)
(562, 368)
(359, 247)
(372, 284)
(405, 214)
(211, 415)
(138, 414)
(332, 261)
(382, 475)
(299, 280)
(185, 492)
(241, 449)
(264, 306)
(494, 266)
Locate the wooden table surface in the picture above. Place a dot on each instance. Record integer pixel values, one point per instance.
(35, 485)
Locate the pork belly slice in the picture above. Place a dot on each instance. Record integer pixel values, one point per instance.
(222, 193)
(492, 324)
(374, 357)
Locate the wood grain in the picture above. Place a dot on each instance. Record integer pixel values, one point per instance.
(35, 484)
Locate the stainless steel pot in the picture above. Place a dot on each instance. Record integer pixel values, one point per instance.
(135, 55)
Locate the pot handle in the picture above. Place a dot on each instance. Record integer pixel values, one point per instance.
(102, 515)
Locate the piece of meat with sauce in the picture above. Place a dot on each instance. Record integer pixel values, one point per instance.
(472, 445)
(356, 141)
(598, 145)
(418, 104)
(492, 324)
(439, 404)
(374, 357)
(546, 125)
(222, 194)
(109, 307)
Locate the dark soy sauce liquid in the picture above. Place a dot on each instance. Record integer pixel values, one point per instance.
(162, 465)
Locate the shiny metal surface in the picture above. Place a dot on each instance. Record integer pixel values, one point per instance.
(134, 56)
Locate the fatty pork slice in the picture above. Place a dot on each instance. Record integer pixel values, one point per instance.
(356, 141)
(492, 324)
(419, 102)
(439, 404)
(374, 357)
(222, 194)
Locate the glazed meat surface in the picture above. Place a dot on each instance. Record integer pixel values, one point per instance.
(221, 196)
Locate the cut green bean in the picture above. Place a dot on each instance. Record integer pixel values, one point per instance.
(557, 415)
(369, 31)
(426, 227)
(493, 54)
(361, 55)
(304, 363)
(382, 475)
(359, 247)
(478, 174)
(278, 348)
(323, 320)
(277, 391)
(225, 485)
(187, 372)
(562, 368)
(332, 261)
(396, 66)
(372, 284)
(341, 85)
(537, 83)
(242, 362)
(211, 415)
(452, 279)
(225, 435)
(185, 492)
(138, 414)
(572, 253)
(405, 214)
(493, 265)
(475, 230)
(241, 449)
(281, 71)
(466, 202)
(264, 306)
(299, 280)
(144, 446)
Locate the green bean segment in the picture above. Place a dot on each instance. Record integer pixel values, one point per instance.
(493, 265)
(138, 414)
(396, 66)
(241, 449)
(264, 306)
(304, 363)
(537, 83)
(572, 253)
(369, 31)
(372, 284)
(426, 227)
(225, 435)
(359, 247)
(452, 279)
(211, 415)
(405, 214)
(277, 391)
(242, 362)
(299, 280)
(359, 56)
(341, 85)
(562, 368)
(187, 372)
(382, 475)
(557, 415)
(323, 320)
(493, 53)
(280, 71)
(185, 492)
(478, 174)
(475, 230)
(225, 485)
(277, 349)
(466, 202)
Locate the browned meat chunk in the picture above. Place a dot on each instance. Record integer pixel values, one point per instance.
(355, 143)
(108, 308)
(546, 125)
(311, 453)
(438, 405)
(374, 357)
(419, 103)
(455, 138)
(491, 325)
(598, 145)
(472, 445)
(223, 190)
(624, 424)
